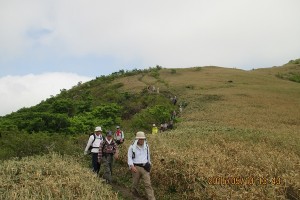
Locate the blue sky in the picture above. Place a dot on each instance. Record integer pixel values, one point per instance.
(85, 39)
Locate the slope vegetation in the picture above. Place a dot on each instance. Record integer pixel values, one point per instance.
(238, 136)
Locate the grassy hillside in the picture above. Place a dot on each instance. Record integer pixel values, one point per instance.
(237, 138)
(248, 127)
(238, 125)
(50, 177)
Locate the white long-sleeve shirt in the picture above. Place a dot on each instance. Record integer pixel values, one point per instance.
(141, 154)
(96, 143)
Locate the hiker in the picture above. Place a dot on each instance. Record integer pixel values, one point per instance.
(161, 129)
(153, 88)
(154, 129)
(165, 126)
(173, 115)
(119, 135)
(174, 100)
(157, 90)
(180, 109)
(93, 144)
(107, 151)
(170, 125)
(139, 163)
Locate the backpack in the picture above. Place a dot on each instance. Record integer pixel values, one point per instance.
(90, 148)
(104, 140)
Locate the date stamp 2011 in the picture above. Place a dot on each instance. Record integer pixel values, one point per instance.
(238, 180)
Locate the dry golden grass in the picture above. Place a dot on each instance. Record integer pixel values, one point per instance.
(238, 124)
(137, 83)
(186, 160)
(50, 177)
(132, 83)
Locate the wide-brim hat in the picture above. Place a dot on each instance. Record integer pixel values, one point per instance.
(140, 135)
(118, 127)
(98, 128)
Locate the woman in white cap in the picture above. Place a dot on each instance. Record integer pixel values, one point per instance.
(140, 164)
(93, 144)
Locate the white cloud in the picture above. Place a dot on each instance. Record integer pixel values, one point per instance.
(24, 91)
(170, 33)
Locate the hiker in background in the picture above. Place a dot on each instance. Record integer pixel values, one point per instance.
(180, 109)
(161, 129)
(119, 135)
(165, 126)
(107, 151)
(153, 88)
(93, 144)
(157, 90)
(154, 129)
(140, 164)
(173, 115)
(174, 100)
(170, 125)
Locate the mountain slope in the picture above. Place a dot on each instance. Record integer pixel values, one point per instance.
(238, 136)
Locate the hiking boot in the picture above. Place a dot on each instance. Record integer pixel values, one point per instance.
(135, 192)
(102, 180)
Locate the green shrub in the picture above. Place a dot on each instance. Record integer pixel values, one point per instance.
(279, 75)
(190, 87)
(153, 115)
(198, 68)
(17, 144)
(173, 71)
(295, 78)
(297, 61)
(154, 73)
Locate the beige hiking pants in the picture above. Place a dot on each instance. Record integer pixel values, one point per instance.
(142, 173)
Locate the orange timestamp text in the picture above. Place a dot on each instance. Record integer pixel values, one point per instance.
(239, 180)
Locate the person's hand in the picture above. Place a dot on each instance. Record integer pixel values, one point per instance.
(85, 152)
(99, 161)
(133, 169)
(116, 156)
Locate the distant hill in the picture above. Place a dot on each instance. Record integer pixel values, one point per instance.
(237, 137)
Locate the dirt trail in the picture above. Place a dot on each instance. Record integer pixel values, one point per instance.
(126, 193)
